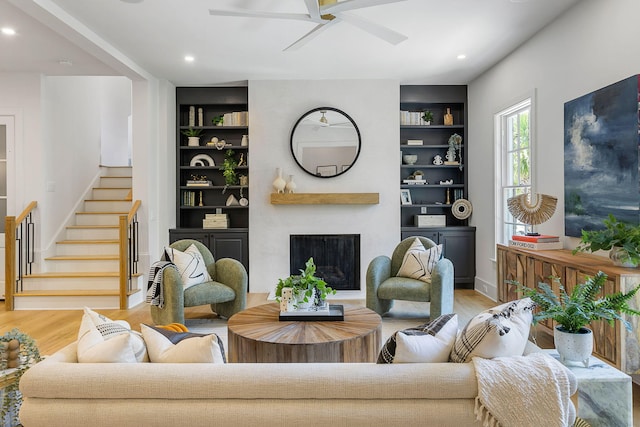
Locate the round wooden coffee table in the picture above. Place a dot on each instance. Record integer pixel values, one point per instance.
(257, 335)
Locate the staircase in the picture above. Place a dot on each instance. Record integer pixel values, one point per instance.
(85, 268)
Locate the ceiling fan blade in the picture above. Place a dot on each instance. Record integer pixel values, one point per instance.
(257, 14)
(318, 29)
(377, 30)
(314, 9)
(345, 5)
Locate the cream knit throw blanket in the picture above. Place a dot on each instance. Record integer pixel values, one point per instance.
(510, 387)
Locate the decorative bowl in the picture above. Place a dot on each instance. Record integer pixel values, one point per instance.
(410, 158)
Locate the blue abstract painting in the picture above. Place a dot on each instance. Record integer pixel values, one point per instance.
(601, 157)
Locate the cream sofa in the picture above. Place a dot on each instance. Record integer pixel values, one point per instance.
(61, 392)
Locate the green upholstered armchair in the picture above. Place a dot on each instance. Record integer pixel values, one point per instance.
(383, 286)
(227, 293)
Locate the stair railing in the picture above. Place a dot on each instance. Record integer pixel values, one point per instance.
(19, 239)
(129, 254)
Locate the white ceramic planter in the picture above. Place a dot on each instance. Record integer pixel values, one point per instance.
(620, 257)
(194, 141)
(573, 347)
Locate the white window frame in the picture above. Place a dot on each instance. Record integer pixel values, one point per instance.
(501, 144)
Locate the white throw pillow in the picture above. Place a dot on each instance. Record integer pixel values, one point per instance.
(102, 340)
(498, 331)
(428, 343)
(190, 265)
(418, 262)
(166, 346)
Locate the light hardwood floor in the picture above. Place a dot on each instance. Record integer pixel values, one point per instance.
(53, 329)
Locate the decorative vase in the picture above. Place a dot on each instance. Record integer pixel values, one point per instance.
(245, 140)
(621, 258)
(279, 184)
(194, 141)
(576, 347)
(291, 186)
(448, 118)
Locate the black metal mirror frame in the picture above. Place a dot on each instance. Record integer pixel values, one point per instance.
(338, 172)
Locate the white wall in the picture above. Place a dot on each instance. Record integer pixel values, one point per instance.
(591, 46)
(115, 96)
(274, 107)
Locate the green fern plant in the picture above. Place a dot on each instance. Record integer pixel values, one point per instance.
(229, 166)
(582, 306)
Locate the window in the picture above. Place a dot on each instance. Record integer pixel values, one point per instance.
(513, 165)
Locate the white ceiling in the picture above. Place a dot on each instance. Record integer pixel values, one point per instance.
(113, 37)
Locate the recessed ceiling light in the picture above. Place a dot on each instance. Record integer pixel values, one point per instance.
(132, 1)
(462, 56)
(189, 58)
(8, 31)
(65, 62)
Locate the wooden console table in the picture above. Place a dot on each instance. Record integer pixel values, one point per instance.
(614, 344)
(257, 335)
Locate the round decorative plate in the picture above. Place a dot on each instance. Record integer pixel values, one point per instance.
(202, 160)
(461, 209)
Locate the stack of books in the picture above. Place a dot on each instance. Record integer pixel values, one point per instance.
(192, 183)
(539, 242)
(215, 221)
(415, 181)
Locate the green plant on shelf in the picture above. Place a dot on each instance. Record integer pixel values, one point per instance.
(229, 166)
(218, 120)
(427, 116)
(192, 133)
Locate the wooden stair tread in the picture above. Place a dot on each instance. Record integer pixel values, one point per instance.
(73, 274)
(106, 200)
(74, 292)
(101, 213)
(92, 241)
(88, 227)
(111, 188)
(84, 257)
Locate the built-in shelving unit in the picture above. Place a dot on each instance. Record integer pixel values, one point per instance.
(445, 183)
(199, 108)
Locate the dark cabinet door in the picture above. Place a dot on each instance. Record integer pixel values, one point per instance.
(460, 248)
(230, 245)
(193, 235)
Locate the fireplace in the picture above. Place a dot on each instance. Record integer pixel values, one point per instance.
(336, 256)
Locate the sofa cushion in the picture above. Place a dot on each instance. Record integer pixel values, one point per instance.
(166, 346)
(498, 331)
(102, 340)
(430, 342)
(190, 264)
(418, 262)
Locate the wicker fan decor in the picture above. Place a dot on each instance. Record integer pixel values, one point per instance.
(532, 213)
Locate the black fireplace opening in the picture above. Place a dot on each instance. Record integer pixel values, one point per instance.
(336, 256)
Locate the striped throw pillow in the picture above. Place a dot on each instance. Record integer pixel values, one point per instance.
(418, 262)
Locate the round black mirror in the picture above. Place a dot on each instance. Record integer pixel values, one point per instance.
(325, 142)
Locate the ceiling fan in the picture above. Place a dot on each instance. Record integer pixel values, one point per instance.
(326, 13)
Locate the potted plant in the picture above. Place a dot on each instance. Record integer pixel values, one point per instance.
(26, 354)
(574, 311)
(229, 166)
(218, 120)
(306, 287)
(621, 239)
(193, 136)
(427, 116)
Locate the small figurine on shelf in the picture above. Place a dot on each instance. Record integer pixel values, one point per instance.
(448, 118)
(437, 160)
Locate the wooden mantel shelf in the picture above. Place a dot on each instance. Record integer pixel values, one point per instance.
(325, 198)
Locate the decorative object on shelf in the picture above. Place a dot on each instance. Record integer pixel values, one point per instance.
(306, 289)
(192, 116)
(241, 162)
(455, 142)
(291, 186)
(245, 141)
(200, 203)
(243, 180)
(446, 182)
(405, 197)
(437, 160)
(448, 201)
(574, 312)
(232, 201)
(410, 159)
(414, 142)
(193, 136)
(448, 118)
(243, 201)
(279, 183)
(461, 209)
(220, 144)
(427, 117)
(22, 352)
(532, 212)
(198, 181)
(200, 117)
(202, 160)
(213, 141)
(218, 120)
(229, 170)
(620, 238)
